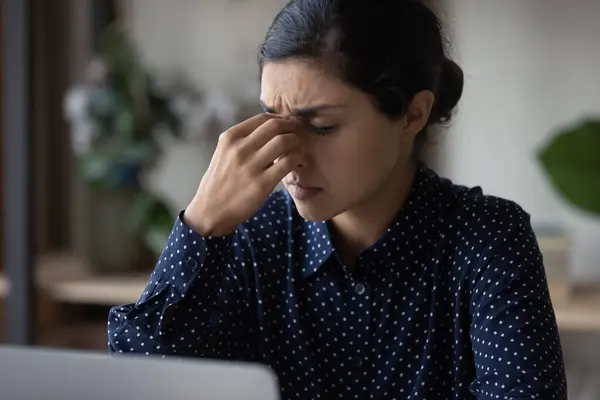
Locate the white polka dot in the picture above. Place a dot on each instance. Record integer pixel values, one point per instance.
(450, 303)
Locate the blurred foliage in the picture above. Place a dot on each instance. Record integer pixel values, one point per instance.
(572, 162)
(151, 217)
(122, 112)
(127, 109)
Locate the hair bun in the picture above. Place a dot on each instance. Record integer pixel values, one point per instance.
(449, 91)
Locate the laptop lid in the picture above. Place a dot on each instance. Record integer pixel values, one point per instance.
(37, 373)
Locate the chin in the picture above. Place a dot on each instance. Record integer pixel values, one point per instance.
(316, 211)
(311, 214)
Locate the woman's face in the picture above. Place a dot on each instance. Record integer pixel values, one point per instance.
(350, 151)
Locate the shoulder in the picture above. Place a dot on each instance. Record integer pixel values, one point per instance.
(489, 239)
(477, 227)
(491, 215)
(481, 217)
(486, 231)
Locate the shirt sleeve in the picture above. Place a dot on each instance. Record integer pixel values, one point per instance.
(515, 339)
(197, 303)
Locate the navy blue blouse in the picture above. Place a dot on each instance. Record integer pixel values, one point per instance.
(450, 303)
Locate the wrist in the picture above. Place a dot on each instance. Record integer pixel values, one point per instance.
(204, 223)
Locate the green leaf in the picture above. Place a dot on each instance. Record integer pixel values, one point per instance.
(572, 162)
(125, 124)
(118, 50)
(152, 219)
(96, 168)
(162, 113)
(140, 210)
(156, 239)
(136, 154)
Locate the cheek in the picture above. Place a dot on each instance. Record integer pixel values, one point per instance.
(355, 159)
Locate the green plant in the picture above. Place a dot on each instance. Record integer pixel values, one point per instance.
(572, 162)
(116, 116)
(151, 217)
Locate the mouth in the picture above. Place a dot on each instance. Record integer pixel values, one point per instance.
(302, 192)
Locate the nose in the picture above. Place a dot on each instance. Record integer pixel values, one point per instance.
(301, 164)
(305, 148)
(303, 159)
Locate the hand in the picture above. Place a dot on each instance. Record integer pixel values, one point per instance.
(249, 161)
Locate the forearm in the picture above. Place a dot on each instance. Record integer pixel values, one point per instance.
(180, 309)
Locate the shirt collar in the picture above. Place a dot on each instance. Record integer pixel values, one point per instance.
(316, 246)
(403, 236)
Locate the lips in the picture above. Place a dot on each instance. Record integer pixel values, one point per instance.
(302, 192)
(301, 185)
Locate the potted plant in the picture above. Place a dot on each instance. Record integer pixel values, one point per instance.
(571, 161)
(116, 117)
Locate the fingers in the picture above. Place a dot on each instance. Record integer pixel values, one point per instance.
(268, 130)
(245, 127)
(279, 146)
(284, 165)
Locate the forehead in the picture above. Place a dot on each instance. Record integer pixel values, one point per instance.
(298, 84)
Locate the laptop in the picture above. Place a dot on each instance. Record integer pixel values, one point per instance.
(38, 373)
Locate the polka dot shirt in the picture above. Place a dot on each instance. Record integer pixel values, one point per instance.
(450, 303)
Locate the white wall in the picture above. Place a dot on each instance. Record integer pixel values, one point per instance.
(530, 65)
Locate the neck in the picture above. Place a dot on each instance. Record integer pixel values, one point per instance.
(361, 226)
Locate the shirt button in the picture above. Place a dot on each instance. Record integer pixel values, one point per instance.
(360, 288)
(192, 264)
(357, 361)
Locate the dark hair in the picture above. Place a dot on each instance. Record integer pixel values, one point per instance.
(389, 49)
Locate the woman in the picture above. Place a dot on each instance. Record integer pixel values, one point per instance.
(369, 276)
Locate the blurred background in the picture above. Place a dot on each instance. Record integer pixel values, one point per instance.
(111, 109)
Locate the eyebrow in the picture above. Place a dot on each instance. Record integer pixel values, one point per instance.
(303, 111)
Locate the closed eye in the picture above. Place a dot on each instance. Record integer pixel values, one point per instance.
(323, 130)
